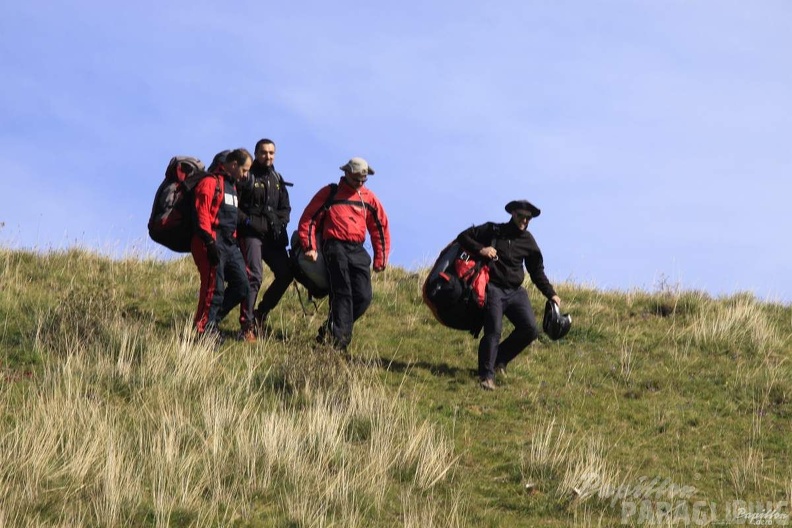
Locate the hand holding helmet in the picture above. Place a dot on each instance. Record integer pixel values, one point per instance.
(555, 325)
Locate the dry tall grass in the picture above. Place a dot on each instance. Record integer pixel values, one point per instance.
(125, 428)
(569, 468)
(115, 415)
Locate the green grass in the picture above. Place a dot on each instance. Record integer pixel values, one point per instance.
(674, 385)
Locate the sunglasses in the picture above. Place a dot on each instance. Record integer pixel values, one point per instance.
(522, 216)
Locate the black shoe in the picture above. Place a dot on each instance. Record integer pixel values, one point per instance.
(321, 334)
(260, 318)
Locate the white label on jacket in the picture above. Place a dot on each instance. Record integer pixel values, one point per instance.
(230, 199)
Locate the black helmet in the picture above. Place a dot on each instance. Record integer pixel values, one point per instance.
(555, 325)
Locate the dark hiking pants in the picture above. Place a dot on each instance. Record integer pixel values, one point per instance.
(255, 250)
(231, 270)
(350, 287)
(515, 305)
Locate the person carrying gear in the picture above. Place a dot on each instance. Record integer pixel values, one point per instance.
(214, 245)
(339, 228)
(514, 250)
(264, 211)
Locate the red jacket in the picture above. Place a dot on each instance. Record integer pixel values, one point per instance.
(209, 193)
(351, 213)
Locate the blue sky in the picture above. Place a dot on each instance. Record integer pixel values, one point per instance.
(653, 135)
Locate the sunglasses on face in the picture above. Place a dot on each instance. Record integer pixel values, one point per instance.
(522, 216)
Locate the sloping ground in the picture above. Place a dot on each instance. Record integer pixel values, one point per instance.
(113, 415)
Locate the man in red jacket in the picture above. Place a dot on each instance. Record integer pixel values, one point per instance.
(340, 227)
(214, 244)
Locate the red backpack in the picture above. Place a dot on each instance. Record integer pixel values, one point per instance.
(171, 221)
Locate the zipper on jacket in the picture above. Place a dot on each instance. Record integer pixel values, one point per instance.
(363, 206)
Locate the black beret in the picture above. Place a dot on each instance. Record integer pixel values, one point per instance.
(523, 204)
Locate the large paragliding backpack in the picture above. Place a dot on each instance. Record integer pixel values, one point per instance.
(172, 215)
(455, 289)
(312, 275)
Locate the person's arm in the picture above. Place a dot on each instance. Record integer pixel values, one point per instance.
(534, 263)
(284, 205)
(470, 240)
(204, 196)
(306, 228)
(379, 230)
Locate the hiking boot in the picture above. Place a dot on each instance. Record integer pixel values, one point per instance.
(500, 369)
(248, 335)
(487, 384)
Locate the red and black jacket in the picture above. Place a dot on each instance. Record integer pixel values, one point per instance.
(348, 216)
(215, 206)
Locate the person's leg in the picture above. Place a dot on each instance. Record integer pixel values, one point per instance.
(219, 288)
(251, 252)
(277, 259)
(235, 273)
(207, 291)
(360, 278)
(518, 310)
(493, 326)
(340, 318)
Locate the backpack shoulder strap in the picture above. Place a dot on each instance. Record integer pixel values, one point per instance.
(218, 184)
(331, 196)
(328, 202)
(496, 230)
(282, 181)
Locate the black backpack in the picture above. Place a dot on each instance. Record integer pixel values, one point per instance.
(172, 214)
(450, 297)
(219, 158)
(312, 275)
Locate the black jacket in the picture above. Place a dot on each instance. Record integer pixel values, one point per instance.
(515, 249)
(264, 207)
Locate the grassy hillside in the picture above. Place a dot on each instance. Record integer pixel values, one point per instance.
(112, 415)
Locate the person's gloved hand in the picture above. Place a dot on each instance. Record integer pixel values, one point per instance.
(212, 255)
(259, 225)
(274, 223)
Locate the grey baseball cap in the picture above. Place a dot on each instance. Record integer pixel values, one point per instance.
(357, 166)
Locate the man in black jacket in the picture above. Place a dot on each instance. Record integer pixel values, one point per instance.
(264, 211)
(509, 247)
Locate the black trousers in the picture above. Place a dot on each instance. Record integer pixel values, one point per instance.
(350, 288)
(274, 255)
(231, 269)
(515, 305)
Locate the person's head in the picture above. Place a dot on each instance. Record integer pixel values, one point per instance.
(356, 172)
(521, 212)
(237, 164)
(265, 152)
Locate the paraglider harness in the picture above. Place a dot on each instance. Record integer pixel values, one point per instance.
(312, 276)
(456, 288)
